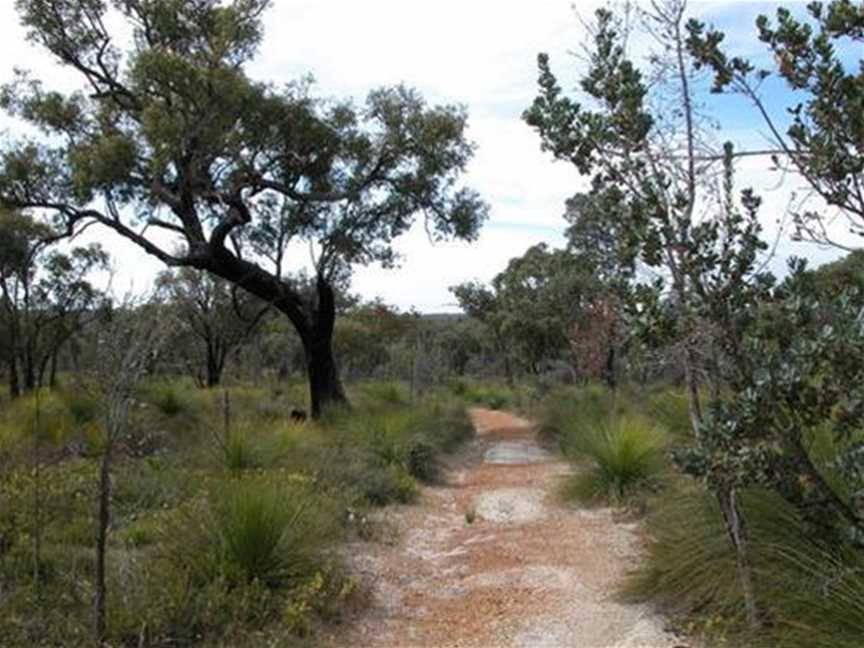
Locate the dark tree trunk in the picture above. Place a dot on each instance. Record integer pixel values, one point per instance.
(313, 322)
(283, 371)
(215, 364)
(609, 370)
(52, 374)
(29, 369)
(325, 386)
(14, 385)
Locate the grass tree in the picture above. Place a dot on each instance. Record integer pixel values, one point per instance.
(173, 146)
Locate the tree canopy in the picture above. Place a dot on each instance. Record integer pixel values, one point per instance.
(171, 135)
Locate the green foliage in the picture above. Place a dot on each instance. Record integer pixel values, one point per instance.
(349, 179)
(531, 305)
(377, 393)
(566, 412)
(804, 380)
(198, 551)
(670, 408)
(239, 453)
(55, 417)
(616, 459)
(271, 534)
(486, 394)
(167, 396)
(823, 140)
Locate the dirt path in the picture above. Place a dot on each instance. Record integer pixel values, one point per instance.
(492, 559)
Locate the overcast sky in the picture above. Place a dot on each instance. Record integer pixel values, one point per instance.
(481, 53)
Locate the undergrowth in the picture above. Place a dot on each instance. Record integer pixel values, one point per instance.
(226, 515)
(810, 589)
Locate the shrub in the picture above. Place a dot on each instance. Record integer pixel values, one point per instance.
(83, 407)
(422, 460)
(568, 413)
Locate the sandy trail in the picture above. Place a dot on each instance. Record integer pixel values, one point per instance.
(526, 572)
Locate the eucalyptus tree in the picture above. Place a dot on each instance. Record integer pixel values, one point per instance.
(530, 306)
(481, 303)
(217, 315)
(654, 169)
(173, 146)
(539, 295)
(46, 297)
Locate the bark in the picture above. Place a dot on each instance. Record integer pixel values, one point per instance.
(325, 386)
(14, 384)
(52, 373)
(102, 543)
(215, 364)
(692, 385)
(727, 499)
(609, 370)
(735, 527)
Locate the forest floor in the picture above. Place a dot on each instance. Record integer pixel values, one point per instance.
(491, 557)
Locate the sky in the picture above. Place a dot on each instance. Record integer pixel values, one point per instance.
(479, 53)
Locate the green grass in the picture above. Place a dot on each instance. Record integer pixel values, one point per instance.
(168, 396)
(489, 394)
(809, 597)
(212, 536)
(618, 451)
(271, 532)
(615, 459)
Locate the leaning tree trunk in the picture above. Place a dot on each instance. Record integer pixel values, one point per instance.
(313, 323)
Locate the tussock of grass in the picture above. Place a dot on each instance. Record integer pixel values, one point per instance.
(271, 533)
(491, 395)
(616, 459)
(670, 409)
(167, 396)
(808, 596)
